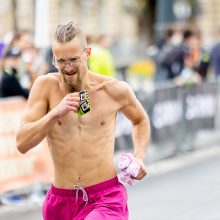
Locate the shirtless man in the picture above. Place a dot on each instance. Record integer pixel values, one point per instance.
(85, 184)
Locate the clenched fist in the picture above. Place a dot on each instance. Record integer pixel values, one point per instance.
(69, 103)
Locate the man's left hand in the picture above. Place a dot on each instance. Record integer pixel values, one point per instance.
(142, 172)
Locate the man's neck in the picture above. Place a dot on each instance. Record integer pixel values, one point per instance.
(86, 81)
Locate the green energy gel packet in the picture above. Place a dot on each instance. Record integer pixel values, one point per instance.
(84, 103)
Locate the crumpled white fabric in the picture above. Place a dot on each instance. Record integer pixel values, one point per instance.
(128, 167)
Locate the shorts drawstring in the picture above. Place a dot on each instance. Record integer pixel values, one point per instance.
(85, 196)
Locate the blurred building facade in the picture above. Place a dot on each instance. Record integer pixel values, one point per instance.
(209, 21)
(115, 17)
(95, 16)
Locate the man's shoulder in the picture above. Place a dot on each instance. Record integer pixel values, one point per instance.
(47, 79)
(115, 88)
(44, 84)
(112, 83)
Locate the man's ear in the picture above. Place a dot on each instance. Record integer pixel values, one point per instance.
(88, 52)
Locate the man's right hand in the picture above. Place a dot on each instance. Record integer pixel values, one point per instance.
(69, 103)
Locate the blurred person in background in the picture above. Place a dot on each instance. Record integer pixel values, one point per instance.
(188, 74)
(200, 57)
(85, 182)
(33, 63)
(2, 47)
(170, 56)
(22, 40)
(9, 84)
(179, 61)
(215, 56)
(101, 60)
(49, 61)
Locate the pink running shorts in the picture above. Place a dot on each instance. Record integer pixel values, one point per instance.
(103, 201)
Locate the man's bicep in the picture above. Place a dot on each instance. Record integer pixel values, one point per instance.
(36, 105)
(34, 112)
(134, 110)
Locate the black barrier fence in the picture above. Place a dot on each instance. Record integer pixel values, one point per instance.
(177, 115)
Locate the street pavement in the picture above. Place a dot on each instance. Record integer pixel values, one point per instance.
(186, 187)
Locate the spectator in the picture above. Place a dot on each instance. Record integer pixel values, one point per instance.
(22, 40)
(2, 46)
(188, 75)
(9, 84)
(49, 57)
(215, 56)
(170, 57)
(200, 57)
(101, 60)
(33, 63)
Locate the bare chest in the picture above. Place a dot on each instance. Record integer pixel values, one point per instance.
(101, 116)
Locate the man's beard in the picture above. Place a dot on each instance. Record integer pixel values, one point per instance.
(72, 86)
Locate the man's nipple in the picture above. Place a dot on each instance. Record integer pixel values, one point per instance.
(102, 123)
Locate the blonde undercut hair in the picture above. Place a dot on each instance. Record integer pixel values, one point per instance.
(65, 33)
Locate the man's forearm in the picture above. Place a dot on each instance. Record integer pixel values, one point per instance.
(32, 133)
(141, 137)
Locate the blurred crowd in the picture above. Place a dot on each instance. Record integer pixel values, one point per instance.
(179, 56)
(21, 62)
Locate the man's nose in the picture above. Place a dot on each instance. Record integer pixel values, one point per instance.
(67, 65)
